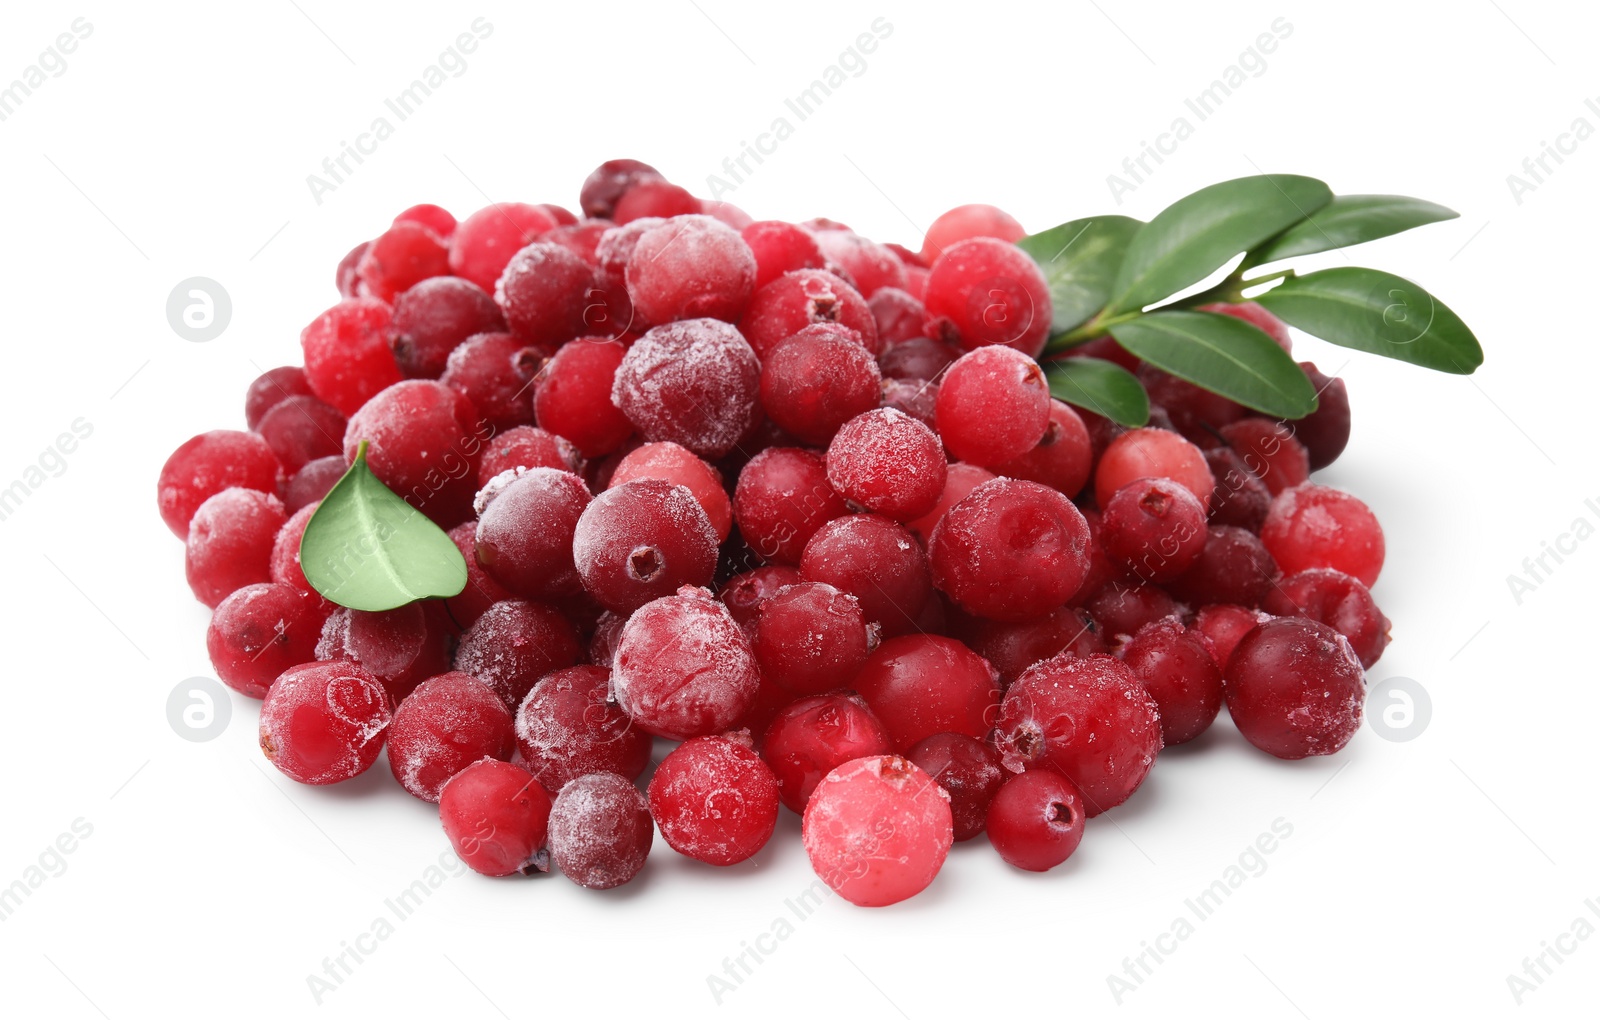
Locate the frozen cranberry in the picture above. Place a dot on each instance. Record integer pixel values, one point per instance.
(1063, 457)
(779, 247)
(782, 498)
(1176, 667)
(515, 643)
(1314, 526)
(889, 463)
(284, 564)
(258, 632)
(313, 481)
(301, 430)
(1089, 719)
(641, 541)
(525, 529)
(208, 464)
(691, 267)
(1338, 600)
(876, 560)
(1152, 453)
(446, 724)
(813, 736)
(917, 358)
(994, 406)
(1011, 550)
(324, 722)
(230, 543)
(684, 668)
(1295, 688)
(348, 360)
(610, 181)
(1234, 567)
(1035, 821)
(1012, 647)
(1240, 498)
(271, 388)
(526, 447)
(1195, 412)
(1102, 571)
(424, 443)
(916, 397)
(401, 647)
(401, 257)
(715, 800)
(770, 700)
(726, 212)
(573, 396)
(433, 318)
(871, 265)
(801, 298)
(970, 773)
(481, 591)
(568, 727)
(600, 831)
(695, 383)
(959, 480)
(497, 818)
(1256, 316)
(344, 276)
(964, 221)
(543, 292)
(654, 198)
(485, 241)
(579, 238)
(917, 282)
(435, 218)
(1122, 610)
(818, 379)
(1224, 625)
(745, 593)
(985, 291)
(877, 830)
(1270, 451)
(1155, 527)
(603, 642)
(670, 462)
(811, 638)
(1326, 431)
(923, 684)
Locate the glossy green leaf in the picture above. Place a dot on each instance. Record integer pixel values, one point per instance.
(366, 548)
(1197, 235)
(1094, 384)
(1080, 260)
(1376, 312)
(1222, 354)
(1348, 220)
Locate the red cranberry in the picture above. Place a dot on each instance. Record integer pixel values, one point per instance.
(1240, 498)
(1195, 412)
(481, 591)
(513, 644)
(1035, 821)
(1176, 667)
(780, 247)
(959, 480)
(485, 241)
(684, 668)
(744, 594)
(435, 218)
(230, 543)
(313, 481)
(258, 632)
(573, 398)
(923, 684)
(446, 724)
(1010, 550)
(600, 831)
(610, 181)
(1270, 451)
(916, 397)
(818, 379)
(401, 647)
(1224, 625)
(811, 638)
(993, 407)
(271, 388)
(715, 800)
(696, 383)
(526, 447)
(1122, 610)
(1012, 647)
(813, 736)
(207, 464)
(497, 818)
(691, 267)
(401, 257)
(641, 541)
(877, 561)
(344, 276)
(544, 293)
(1313, 526)
(1155, 527)
(970, 773)
(803, 298)
(1062, 459)
(324, 722)
(525, 530)
(654, 198)
(899, 317)
(781, 500)
(1338, 600)
(671, 463)
(424, 442)
(568, 726)
(435, 317)
(917, 358)
(496, 372)
(877, 830)
(985, 291)
(1295, 688)
(1326, 431)
(1152, 453)
(579, 238)
(965, 221)
(348, 360)
(887, 462)
(1233, 567)
(301, 430)
(871, 265)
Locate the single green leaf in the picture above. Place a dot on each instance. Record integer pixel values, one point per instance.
(366, 548)
(1197, 235)
(1097, 385)
(1224, 355)
(1376, 312)
(1348, 220)
(1080, 260)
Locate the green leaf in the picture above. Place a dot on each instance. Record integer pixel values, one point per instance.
(1222, 354)
(366, 548)
(1197, 235)
(1348, 220)
(1376, 312)
(1080, 260)
(1094, 384)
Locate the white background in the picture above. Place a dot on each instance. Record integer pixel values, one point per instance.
(1418, 875)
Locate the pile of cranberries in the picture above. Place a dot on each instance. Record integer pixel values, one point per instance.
(796, 500)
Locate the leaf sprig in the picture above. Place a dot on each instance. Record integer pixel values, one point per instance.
(1110, 275)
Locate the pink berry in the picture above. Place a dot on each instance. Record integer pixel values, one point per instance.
(424, 440)
(985, 291)
(573, 396)
(1338, 600)
(258, 632)
(780, 247)
(641, 541)
(401, 257)
(1177, 669)
(1010, 550)
(497, 818)
(691, 267)
(877, 830)
(922, 684)
(230, 543)
(514, 644)
(670, 462)
(348, 360)
(801, 298)
(324, 722)
(208, 464)
(889, 463)
(695, 383)
(994, 406)
(568, 726)
(876, 560)
(610, 181)
(435, 218)
(447, 723)
(1152, 453)
(715, 800)
(600, 831)
(964, 221)
(818, 379)
(485, 241)
(871, 265)
(1295, 688)
(526, 525)
(435, 317)
(811, 737)
(1035, 821)
(1062, 459)
(1089, 719)
(1155, 527)
(811, 638)
(1314, 526)
(969, 771)
(272, 387)
(684, 668)
(782, 498)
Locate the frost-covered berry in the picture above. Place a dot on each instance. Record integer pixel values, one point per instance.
(779, 247)
(985, 291)
(818, 379)
(230, 543)
(670, 462)
(526, 447)
(1010, 550)
(513, 644)
(691, 267)
(781, 499)
(424, 440)
(871, 265)
(446, 724)
(811, 737)
(643, 540)
(1338, 600)
(207, 464)
(1315, 526)
(543, 292)
(401, 257)
(600, 831)
(993, 406)
(496, 372)
(695, 383)
(346, 348)
(573, 396)
(964, 221)
(258, 632)
(568, 726)
(684, 668)
(1295, 688)
(324, 722)
(401, 647)
(889, 463)
(610, 181)
(811, 638)
(876, 560)
(525, 528)
(485, 241)
(435, 317)
(803, 298)
(715, 800)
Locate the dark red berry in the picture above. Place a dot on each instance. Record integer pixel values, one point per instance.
(1154, 527)
(1176, 667)
(922, 684)
(887, 462)
(715, 800)
(435, 317)
(1035, 821)
(969, 771)
(1338, 600)
(1295, 688)
(600, 831)
(876, 560)
(446, 724)
(642, 541)
(683, 667)
(513, 644)
(568, 726)
(811, 638)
